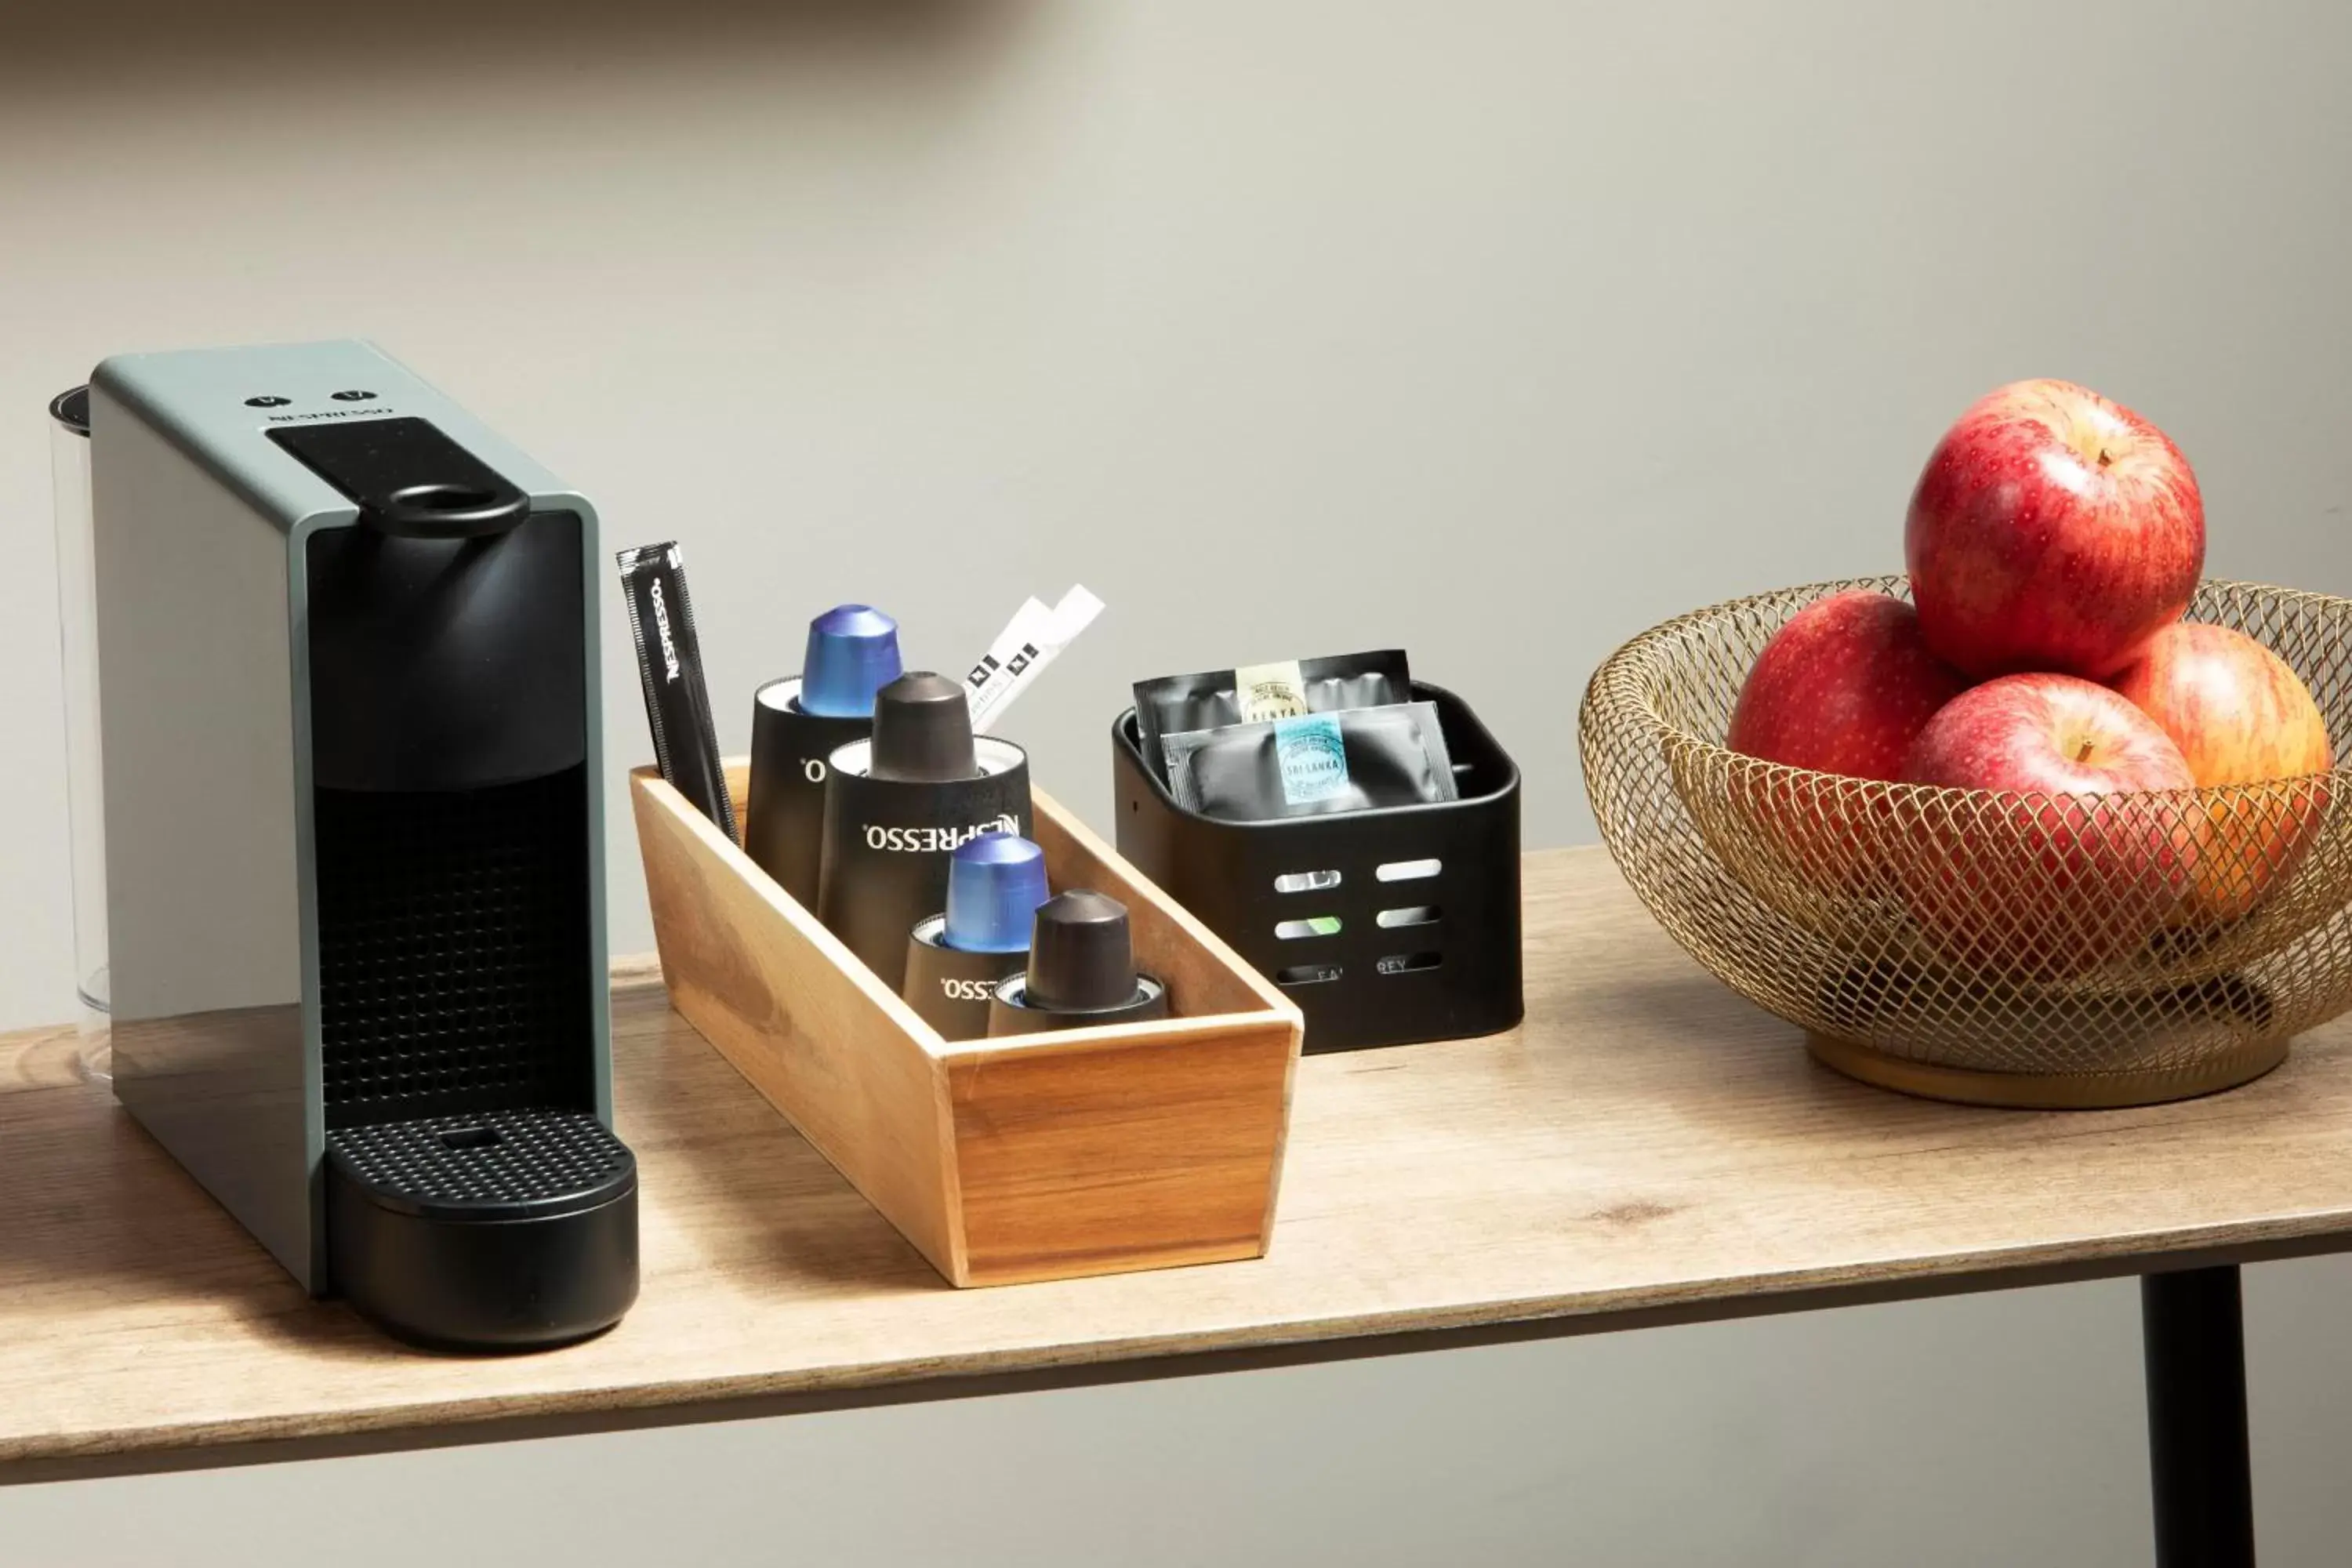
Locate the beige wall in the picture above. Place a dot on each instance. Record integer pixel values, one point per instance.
(1501, 330)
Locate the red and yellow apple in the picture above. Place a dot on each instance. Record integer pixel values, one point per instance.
(2051, 530)
(2060, 862)
(2239, 715)
(1843, 688)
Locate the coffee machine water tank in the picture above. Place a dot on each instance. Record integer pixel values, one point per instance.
(353, 808)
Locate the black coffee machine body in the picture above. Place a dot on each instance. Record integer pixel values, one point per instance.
(349, 708)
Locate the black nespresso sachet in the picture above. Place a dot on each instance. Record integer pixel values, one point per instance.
(1302, 738)
(1356, 759)
(669, 663)
(1212, 700)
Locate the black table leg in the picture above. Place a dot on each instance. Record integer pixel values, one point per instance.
(2199, 1464)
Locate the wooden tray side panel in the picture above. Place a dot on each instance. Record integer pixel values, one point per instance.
(751, 970)
(1204, 974)
(1101, 1157)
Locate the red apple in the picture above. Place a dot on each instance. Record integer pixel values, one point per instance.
(1843, 688)
(2053, 531)
(2239, 715)
(2057, 862)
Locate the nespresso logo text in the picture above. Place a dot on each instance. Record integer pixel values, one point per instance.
(967, 990)
(373, 411)
(933, 840)
(661, 627)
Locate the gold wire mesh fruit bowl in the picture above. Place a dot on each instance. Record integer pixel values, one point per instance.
(1999, 949)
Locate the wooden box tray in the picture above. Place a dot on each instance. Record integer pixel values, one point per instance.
(1036, 1157)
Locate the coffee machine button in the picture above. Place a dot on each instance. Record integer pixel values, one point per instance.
(354, 396)
(268, 402)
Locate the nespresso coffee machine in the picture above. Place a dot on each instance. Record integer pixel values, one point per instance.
(354, 879)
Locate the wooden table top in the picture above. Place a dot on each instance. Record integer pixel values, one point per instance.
(1647, 1148)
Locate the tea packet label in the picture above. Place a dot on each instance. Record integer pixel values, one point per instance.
(1312, 757)
(1270, 691)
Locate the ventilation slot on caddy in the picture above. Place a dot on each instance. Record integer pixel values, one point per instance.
(1318, 925)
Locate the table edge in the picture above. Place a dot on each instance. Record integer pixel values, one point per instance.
(751, 1396)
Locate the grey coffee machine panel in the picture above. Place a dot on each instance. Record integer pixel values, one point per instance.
(348, 696)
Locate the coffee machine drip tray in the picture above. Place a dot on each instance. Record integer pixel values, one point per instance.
(496, 1230)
